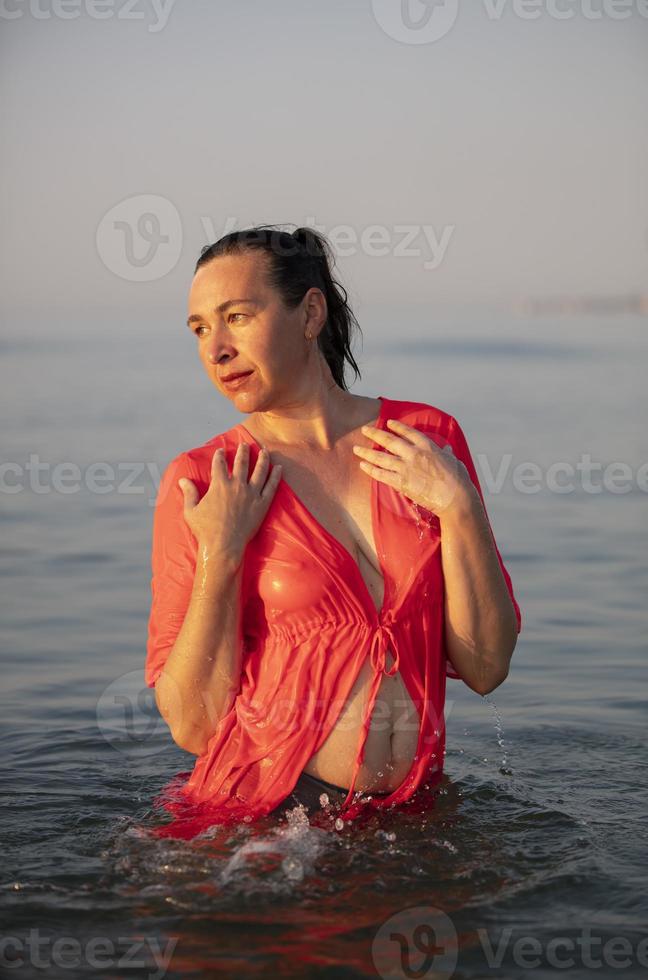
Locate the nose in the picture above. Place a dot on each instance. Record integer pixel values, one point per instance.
(219, 347)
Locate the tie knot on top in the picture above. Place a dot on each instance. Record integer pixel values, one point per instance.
(382, 639)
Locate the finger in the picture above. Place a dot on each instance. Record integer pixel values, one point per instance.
(189, 493)
(408, 432)
(218, 464)
(272, 482)
(241, 462)
(394, 443)
(378, 458)
(378, 473)
(260, 470)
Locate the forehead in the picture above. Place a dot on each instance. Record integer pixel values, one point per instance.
(229, 277)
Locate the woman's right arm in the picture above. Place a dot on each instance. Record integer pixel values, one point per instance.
(201, 675)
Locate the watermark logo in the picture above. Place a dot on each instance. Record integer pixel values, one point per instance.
(128, 717)
(416, 21)
(129, 720)
(422, 942)
(426, 21)
(140, 239)
(143, 477)
(417, 942)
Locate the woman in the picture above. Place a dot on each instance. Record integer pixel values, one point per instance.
(319, 570)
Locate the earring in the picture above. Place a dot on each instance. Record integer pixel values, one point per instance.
(309, 335)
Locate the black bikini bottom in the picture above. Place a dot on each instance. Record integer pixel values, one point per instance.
(308, 790)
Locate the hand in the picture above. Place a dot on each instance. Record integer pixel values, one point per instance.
(415, 465)
(232, 509)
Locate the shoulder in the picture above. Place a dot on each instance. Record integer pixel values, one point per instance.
(195, 463)
(420, 415)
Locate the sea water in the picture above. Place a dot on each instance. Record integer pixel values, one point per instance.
(538, 831)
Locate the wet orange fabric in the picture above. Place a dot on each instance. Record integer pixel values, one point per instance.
(309, 623)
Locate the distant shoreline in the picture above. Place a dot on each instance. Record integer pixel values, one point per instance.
(625, 303)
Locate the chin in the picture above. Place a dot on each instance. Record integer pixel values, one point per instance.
(243, 401)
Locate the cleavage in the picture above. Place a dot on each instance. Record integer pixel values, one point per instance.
(307, 483)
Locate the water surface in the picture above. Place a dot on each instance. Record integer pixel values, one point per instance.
(539, 830)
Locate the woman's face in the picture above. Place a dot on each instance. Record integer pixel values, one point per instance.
(242, 325)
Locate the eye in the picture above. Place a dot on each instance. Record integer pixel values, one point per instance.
(203, 327)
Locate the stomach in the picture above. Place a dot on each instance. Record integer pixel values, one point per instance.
(391, 742)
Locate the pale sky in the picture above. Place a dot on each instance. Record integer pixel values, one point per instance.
(511, 154)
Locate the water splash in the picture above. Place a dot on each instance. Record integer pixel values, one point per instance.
(287, 856)
(499, 734)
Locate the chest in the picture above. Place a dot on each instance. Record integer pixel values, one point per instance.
(329, 509)
(338, 494)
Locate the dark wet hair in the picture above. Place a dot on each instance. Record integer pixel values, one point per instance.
(296, 262)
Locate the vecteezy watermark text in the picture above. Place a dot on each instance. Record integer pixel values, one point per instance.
(139, 476)
(140, 239)
(66, 477)
(128, 716)
(401, 241)
(426, 21)
(157, 12)
(422, 941)
(97, 953)
(562, 476)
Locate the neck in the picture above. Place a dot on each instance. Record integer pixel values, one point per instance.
(316, 422)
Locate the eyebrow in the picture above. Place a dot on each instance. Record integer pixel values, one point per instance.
(194, 318)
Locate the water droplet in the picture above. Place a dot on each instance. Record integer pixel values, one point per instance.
(293, 868)
(339, 824)
(499, 735)
(324, 800)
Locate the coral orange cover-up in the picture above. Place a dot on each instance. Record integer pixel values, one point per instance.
(308, 625)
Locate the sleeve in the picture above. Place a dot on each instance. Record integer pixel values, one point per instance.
(459, 444)
(173, 564)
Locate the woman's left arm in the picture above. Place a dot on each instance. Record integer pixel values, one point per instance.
(481, 625)
(482, 617)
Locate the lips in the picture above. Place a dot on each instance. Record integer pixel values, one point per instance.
(236, 379)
